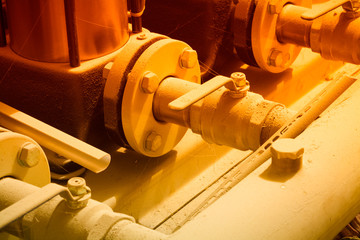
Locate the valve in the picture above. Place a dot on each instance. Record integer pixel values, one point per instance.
(278, 29)
(324, 29)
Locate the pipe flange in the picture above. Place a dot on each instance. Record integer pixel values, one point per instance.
(22, 158)
(269, 53)
(116, 75)
(164, 58)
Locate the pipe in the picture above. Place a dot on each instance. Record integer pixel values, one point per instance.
(72, 35)
(316, 203)
(325, 35)
(137, 9)
(54, 139)
(291, 28)
(242, 123)
(54, 220)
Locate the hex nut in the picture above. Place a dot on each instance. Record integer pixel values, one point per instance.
(29, 155)
(278, 58)
(77, 186)
(107, 69)
(150, 82)
(153, 142)
(189, 58)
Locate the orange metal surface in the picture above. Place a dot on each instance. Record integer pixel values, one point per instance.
(38, 31)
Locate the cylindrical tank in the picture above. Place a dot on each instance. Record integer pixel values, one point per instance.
(38, 29)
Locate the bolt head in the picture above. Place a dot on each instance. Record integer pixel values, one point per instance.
(287, 148)
(189, 58)
(141, 36)
(150, 82)
(278, 58)
(107, 69)
(239, 79)
(29, 155)
(77, 186)
(275, 6)
(153, 142)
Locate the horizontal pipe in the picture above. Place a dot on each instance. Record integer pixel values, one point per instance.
(51, 138)
(29, 203)
(316, 203)
(54, 220)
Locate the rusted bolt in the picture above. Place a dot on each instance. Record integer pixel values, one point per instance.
(275, 6)
(278, 58)
(107, 69)
(239, 79)
(29, 155)
(287, 155)
(141, 36)
(153, 142)
(188, 58)
(77, 186)
(150, 82)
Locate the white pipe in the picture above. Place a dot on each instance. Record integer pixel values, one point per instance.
(315, 203)
(54, 220)
(78, 151)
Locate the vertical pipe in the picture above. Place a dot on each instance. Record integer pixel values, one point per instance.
(71, 31)
(2, 27)
(137, 8)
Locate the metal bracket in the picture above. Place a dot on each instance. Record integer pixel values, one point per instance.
(321, 9)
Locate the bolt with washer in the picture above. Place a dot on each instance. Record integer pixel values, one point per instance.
(150, 82)
(189, 58)
(29, 155)
(153, 142)
(278, 58)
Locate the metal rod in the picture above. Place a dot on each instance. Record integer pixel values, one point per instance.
(72, 36)
(2, 27)
(29, 203)
(137, 8)
(54, 139)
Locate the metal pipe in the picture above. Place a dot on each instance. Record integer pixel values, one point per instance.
(71, 30)
(324, 193)
(54, 220)
(334, 35)
(242, 123)
(54, 139)
(291, 28)
(293, 127)
(29, 203)
(137, 9)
